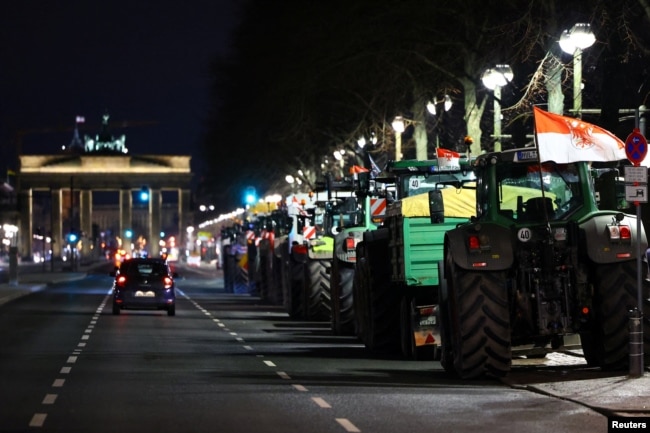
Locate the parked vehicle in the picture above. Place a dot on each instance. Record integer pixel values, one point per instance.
(396, 272)
(538, 263)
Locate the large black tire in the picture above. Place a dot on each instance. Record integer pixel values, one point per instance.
(360, 293)
(265, 271)
(615, 295)
(294, 300)
(444, 316)
(480, 323)
(275, 286)
(316, 276)
(229, 270)
(342, 302)
(383, 333)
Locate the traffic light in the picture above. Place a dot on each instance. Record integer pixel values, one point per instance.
(128, 233)
(144, 194)
(72, 238)
(250, 195)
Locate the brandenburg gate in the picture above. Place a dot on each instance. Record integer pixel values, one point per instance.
(102, 164)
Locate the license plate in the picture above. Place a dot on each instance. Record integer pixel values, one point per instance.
(147, 294)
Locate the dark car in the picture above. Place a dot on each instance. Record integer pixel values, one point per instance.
(144, 283)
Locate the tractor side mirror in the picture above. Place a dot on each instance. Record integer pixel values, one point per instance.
(363, 181)
(436, 206)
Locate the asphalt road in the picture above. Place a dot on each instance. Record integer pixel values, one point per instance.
(227, 363)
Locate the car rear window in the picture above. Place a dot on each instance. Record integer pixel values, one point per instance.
(144, 269)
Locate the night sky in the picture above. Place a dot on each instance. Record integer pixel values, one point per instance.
(144, 62)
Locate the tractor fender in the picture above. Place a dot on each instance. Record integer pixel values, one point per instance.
(601, 248)
(496, 252)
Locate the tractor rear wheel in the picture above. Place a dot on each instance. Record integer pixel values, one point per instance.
(480, 323)
(615, 295)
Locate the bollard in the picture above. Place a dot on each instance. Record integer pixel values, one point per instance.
(636, 343)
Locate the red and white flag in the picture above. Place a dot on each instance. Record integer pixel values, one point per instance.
(448, 159)
(565, 139)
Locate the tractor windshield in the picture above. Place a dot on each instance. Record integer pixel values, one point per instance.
(534, 192)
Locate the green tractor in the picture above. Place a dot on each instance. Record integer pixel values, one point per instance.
(396, 279)
(537, 265)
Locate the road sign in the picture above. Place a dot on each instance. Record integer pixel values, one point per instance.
(636, 174)
(636, 147)
(636, 193)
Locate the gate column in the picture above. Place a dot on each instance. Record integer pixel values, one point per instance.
(126, 201)
(56, 223)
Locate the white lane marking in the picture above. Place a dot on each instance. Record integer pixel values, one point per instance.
(71, 359)
(58, 383)
(221, 324)
(270, 363)
(241, 340)
(88, 330)
(81, 345)
(320, 402)
(93, 322)
(49, 398)
(300, 387)
(347, 425)
(65, 370)
(216, 320)
(233, 333)
(283, 375)
(37, 420)
(85, 337)
(248, 348)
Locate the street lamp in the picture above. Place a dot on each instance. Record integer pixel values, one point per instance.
(398, 125)
(446, 104)
(338, 155)
(494, 79)
(573, 42)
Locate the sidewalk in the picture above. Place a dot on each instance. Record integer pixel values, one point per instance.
(35, 276)
(614, 395)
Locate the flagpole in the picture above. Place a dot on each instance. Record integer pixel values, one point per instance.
(541, 179)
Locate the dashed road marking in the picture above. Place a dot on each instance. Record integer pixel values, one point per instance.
(321, 403)
(283, 375)
(300, 387)
(37, 420)
(65, 370)
(248, 347)
(270, 363)
(49, 398)
(347, 425)
(71, 359)
(58, 383)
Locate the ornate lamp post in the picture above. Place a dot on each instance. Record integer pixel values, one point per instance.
(399, 126)
(573, 42)
(494, 79)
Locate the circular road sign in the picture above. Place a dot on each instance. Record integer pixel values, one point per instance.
(636, 147)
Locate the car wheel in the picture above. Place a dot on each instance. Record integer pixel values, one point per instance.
(116, 309)
(171, 310)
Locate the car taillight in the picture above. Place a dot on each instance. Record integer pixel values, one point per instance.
(349, 244)
(121, 281)
(168, 282)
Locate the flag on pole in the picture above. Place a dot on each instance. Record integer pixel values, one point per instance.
(374, 168)
(358, 169)
(448, 159)
(565, 139)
